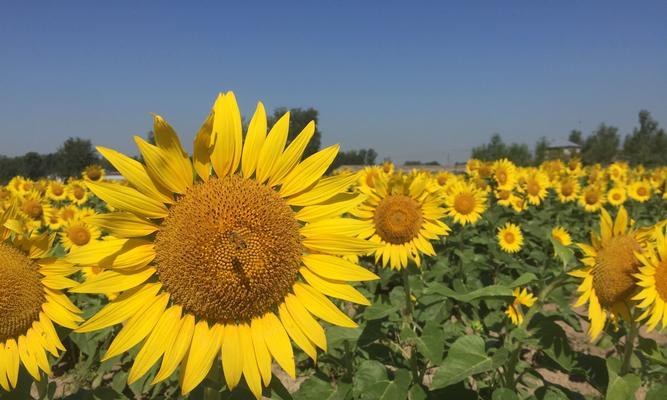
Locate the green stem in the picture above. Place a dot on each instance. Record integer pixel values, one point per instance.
(349, 366)
(511, 368)
(408, 322)
(557, 282)
(633, 331)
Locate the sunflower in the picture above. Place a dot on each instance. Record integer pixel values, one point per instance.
(505, 197)
(567, 190)
(78, 233)
(504, 173)
(388, 167)
(561, 235)
(618, 172)
(77, 193)
(592, 198)
(465, 203)
(535, 186)
(616, 196)
(609, 264)
(521, 298)
(510, 238)
(369, 176)
(56, 191)
(93, 173)
(31, 300)
(652, 279)
(33, 210)
(402, 216)
(236, 261)
(640, 191)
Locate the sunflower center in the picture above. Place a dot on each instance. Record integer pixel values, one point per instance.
(94, 174)
(57, 190)
(533, 188)
(501, 176)
(504, 194)
(567, 189)
(442, 180)
(591, 197)
(78, 192)
(21, 293)
(398, 219)
(464, 203)
(509, 237)
(33, 209)
(79, 235)
(642, 191)
(615, 264)
(616, 196)
(229, 250)
(370, 179)
(661, 279)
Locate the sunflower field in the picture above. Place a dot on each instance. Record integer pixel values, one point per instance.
(245, 270)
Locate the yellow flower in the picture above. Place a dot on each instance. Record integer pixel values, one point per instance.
(56, 191)
(33, 210)
(93, 173)
(609, 263)
(567, 190)
(640, 191)
(510, 238)
(561, 235)
(616, 196)
(592, 198)
(237, 261)
(652, 281)
(402, 216)
(535, 186)
(77, 193)
(521, 298)
(504, 172)
(77, 233)
(465, 203)
(31, 300)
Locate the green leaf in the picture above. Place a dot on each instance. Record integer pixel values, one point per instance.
(315, 388)
(504, 394)
(379, 311)
(523, 280)
(620, 387)
(466, 357)
(564, 253)
(369, 373)
(657, 393)
(396, 389)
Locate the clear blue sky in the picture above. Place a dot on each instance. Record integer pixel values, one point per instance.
(414, 80)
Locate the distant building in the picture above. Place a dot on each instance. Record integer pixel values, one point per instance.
(562, 149)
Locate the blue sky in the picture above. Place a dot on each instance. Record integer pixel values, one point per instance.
(414, 80)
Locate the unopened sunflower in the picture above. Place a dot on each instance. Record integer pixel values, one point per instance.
(31, 300)
(238, 261)
(609, 264)
(402, 217)
(510, 238)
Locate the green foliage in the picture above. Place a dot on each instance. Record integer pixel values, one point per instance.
(497, 149)
(354, 157)
(602, 146)
(647, 144)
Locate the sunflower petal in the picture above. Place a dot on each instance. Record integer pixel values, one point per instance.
(175, 353)
(201, 152)
(128, 199)
(163, 168)
(122, 224)
(320, 306)
(278, 343)
(227, 135)
(203, 349)
(292, 154)
(308, 171)
(232, 355)
(272, 148)
(254, 141)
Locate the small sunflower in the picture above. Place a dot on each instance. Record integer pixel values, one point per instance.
(535, 186)
(233, 251)
(504, 173)
(56, 191)
(33, 209)
(561, 235)
(640, 191)
(567, 190)
(510, 238)
(617, 196)
(77, 193)
(403, 216)
(609, 264)
(652, 280)
(78, 233)
(592, 198)
(521, 298)
(465, 203)
(93, 173)
(31, 300)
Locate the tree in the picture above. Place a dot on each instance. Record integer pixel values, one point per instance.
(354, 157)
(647, 144)
(497, 149)
(602, 146)
(541, 150)
(33, 166)
(73, 156)
(299, 118)
(9, 168)
(575, 137)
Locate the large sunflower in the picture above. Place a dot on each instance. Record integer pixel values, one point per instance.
(402, 217)
(609, 263)
(652, 279)
(236, 261)
(31, 300)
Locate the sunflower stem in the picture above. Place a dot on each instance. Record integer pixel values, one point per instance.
(630, 336)
(408, 322)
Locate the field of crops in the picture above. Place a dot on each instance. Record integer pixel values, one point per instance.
(246, 269)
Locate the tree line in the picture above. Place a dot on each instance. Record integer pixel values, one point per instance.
(646, 144)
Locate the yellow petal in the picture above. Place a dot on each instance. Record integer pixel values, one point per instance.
(36, 349)
(320, 306)
(232, 356)
(306, 322)
(323, 190)
(334, 207)
(272, 148)
(94, 251)
(27, 359)
(122, 224)
(12, 361)
(138, 327)
(250, 368)
(164, 169)
(261, 351)
(292, 154)
(58, 282)
(136, 175)
(122, 308)
(4, 382)
(159, 339)
(175, 353)
(204, 347)
(128, 199)
(337, 226)
(135, 254)
(201, 154)
(254, 141)
(278, 343)
(337, 289)
(227, 135)
(60, 315)
(112, 281)
(339, 244)
(336, 268)
(167, 140)
(308, 171)
(296, 333)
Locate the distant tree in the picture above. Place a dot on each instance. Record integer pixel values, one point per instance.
(73, 156)
(576, 137)
(497, 149)
(9, 168)
(299, 118)
(355, 157)
(540, 150)
(33, 166)
(602, 146)
(647, 144)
